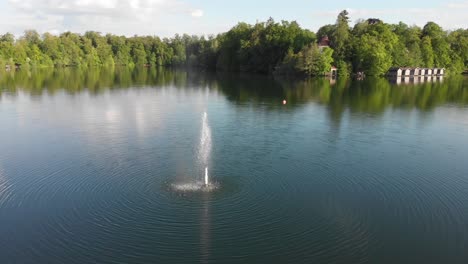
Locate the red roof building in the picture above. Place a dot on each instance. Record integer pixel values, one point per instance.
(324, 42)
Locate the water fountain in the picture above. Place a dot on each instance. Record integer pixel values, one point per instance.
(204, 154)
(205, 146)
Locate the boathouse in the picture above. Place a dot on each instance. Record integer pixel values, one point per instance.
(412, 72)
(395, 72)
(439, 72)
(406, 71)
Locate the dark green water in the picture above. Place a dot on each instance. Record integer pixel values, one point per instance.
(351, 172)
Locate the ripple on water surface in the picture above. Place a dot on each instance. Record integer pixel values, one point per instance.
(287, 191)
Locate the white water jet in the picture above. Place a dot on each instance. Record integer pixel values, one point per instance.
(204, 154)
(205, 146)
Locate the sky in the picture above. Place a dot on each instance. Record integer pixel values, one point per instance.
(203, 17)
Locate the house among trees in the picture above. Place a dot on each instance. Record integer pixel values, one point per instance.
(324, 42)
(373, 21)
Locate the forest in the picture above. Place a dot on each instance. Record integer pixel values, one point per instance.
(284, 48)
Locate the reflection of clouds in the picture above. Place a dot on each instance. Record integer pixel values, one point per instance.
(18, 103)
(4, 187)
(148, 118)
(140, 120)
(109, 121)
(100, 120)
(118, 116)
(2, 182)
(112, 116)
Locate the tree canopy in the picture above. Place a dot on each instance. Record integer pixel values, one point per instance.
(270, 47)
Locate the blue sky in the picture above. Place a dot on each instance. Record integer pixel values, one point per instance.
(167, 17)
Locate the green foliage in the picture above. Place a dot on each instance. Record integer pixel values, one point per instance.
(375, 48)
(313, 61)
(282, 47)
(7, 47)
(406, 46)
(427, 52)
(310, 61)
(261, 47)
(325, 31)
(340, 36)
(372, 55)
(344, 68)
(139, 54)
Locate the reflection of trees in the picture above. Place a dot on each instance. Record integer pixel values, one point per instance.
(369, 96)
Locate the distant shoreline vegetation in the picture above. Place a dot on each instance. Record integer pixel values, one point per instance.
(371, 47)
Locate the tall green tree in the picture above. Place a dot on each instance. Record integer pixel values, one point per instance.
(340, 36)
(372, 55)
(427, 52)
(139, 54)
(439, 44)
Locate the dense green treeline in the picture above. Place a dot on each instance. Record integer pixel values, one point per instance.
(370, 46)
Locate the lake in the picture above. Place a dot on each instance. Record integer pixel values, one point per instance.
(345, 172)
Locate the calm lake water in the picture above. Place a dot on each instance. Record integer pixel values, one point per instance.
(346, 172)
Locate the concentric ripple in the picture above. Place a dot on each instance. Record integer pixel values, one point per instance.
(117, 177)
(197, 186)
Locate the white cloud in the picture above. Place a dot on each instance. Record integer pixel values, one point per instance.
(111, 8)
(463, 4)
(99, 3)
(127, 17)
(197, 13)
(450, 15)
(55, 31)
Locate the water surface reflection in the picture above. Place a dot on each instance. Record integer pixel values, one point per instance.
(346, 172)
